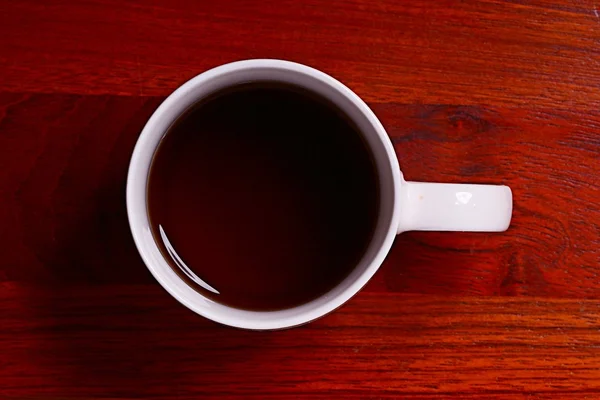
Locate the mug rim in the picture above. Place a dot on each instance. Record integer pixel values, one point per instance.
(141, 232)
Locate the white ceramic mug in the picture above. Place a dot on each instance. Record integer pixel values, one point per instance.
(405, 206)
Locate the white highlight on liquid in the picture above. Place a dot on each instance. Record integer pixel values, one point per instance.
(181, 264)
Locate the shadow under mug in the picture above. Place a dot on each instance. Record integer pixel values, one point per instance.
(404, 206)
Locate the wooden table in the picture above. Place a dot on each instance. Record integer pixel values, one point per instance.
(490, 92)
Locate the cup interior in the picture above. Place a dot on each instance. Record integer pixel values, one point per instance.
(278, 71)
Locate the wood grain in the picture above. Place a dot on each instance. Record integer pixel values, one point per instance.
(485, 92)
(138, 342)
(449, 52)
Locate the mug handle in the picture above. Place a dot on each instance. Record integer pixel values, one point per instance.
(454, 207)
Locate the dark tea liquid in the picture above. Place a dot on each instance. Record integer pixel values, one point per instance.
(266, 193)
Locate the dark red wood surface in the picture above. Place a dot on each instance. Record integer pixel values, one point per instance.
(490, 92)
